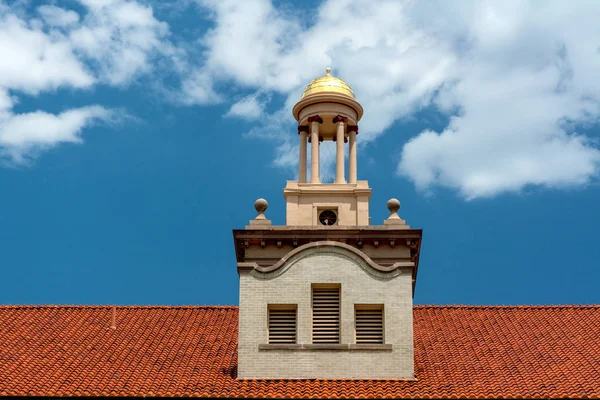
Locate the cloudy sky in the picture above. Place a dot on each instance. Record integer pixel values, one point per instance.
(135, 134)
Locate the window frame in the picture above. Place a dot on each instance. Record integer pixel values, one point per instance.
(325, 286)
(370, 307)
(319, 207)
(279, 307)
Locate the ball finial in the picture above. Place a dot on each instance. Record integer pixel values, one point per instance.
(328, 71)
(260, 220)
(394, 219)
(393, 205)
(261, 205)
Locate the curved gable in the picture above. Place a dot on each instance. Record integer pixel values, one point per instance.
(324, 247)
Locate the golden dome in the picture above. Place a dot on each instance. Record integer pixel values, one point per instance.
(328, 84)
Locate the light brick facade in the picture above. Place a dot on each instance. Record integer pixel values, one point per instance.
(360, 284)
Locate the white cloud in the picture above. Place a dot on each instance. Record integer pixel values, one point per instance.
(41, 128)
(516, 79)
(521, 97)
(197, 88)
(249, 108)
(113, 42)
(120, 37)
(32, 60)
(56, 16)
(22, 136)
(252, 43)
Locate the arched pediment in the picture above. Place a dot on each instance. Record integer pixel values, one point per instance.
(325, 247)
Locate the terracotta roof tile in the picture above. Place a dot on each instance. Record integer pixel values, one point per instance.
(460, 352)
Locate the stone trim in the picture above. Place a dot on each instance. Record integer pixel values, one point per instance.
(339, 118)
(328, 98)
(302, 128)
(329, 246)
(315, 118)
(330, 347)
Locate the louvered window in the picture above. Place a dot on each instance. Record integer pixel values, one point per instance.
(326, 314)
(282, 324)
(369, 324)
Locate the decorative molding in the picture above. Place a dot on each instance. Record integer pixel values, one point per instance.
(339, 118)
(327, 98)
(352, 128)
(302, 128)
(325, 246)
(315, 118)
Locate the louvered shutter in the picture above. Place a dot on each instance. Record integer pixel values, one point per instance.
(326, 315)
(282, 325)
(369, 325)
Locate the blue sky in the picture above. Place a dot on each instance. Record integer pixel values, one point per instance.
(135, 135)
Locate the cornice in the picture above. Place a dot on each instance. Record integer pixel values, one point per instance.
(322, 246)
(357, 237)
(328, 98)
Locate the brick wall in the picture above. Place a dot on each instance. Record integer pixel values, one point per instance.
(360, 284)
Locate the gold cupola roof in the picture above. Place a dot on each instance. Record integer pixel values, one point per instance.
(328, 84)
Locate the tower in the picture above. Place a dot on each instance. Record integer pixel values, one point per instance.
(327, 295)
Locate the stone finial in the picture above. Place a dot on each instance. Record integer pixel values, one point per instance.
(393, 205)
(394, 219)
(260, 205)
(328, 71)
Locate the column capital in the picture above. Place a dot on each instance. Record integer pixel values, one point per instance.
(302, 128)
(352, 128)
(315, 118)
(320, 139)
(340, 118)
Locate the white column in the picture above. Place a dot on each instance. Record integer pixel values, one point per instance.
(339, 157)
(302, 160)
(314, 149)
(352, 130)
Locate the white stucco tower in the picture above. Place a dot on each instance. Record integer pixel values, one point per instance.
(327, 295)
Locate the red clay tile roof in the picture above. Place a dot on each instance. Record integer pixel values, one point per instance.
(466, 352)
